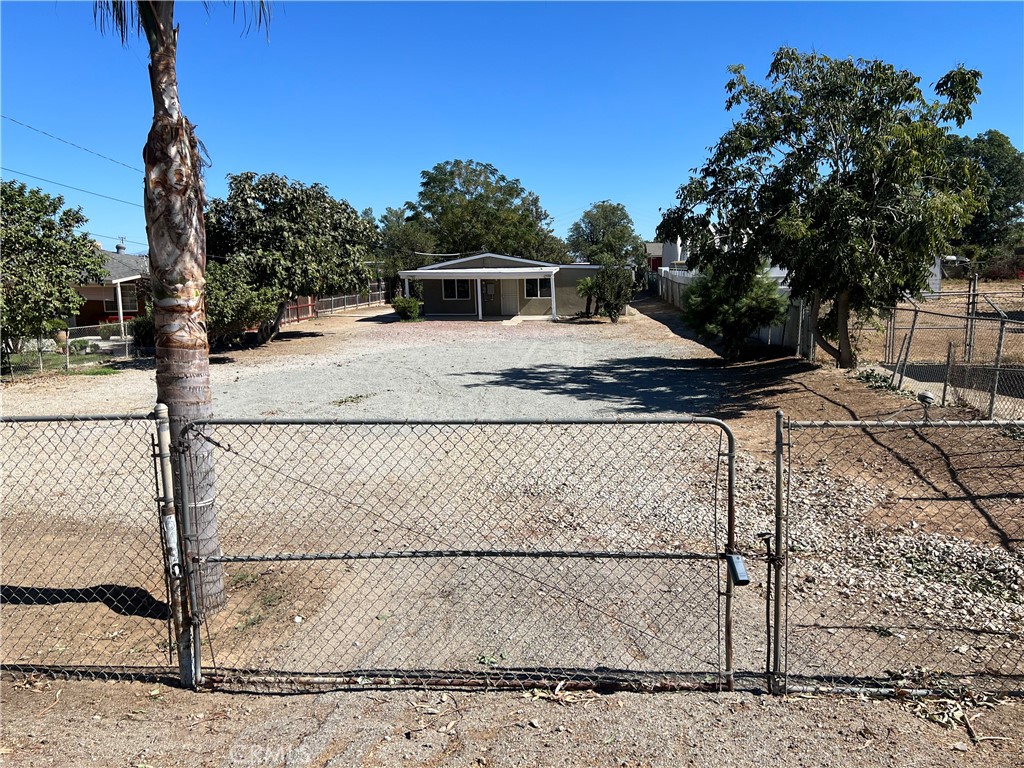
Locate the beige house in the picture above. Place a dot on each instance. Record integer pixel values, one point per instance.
(493, 285)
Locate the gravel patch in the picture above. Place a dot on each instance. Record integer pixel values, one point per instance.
(358, 366)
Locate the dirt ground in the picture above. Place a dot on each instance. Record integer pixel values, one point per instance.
(85, 723)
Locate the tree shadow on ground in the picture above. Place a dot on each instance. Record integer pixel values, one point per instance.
(296, 335)
(387, 317)
(649, 384)
(126, 601)
(657, 384)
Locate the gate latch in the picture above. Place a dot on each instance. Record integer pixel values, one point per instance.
(737, 570)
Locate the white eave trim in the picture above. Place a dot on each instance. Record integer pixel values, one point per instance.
(484, 273)
(488, 255)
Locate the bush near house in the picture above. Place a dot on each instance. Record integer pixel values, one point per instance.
(108, 330)
(406, 308)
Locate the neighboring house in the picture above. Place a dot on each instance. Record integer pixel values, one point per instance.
(120, 295)
(493, 285)
(655, 255)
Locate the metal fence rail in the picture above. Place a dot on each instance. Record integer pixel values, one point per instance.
(82, 570)
(904, 550)
(976, 358)
(471, 553)
(326, 305)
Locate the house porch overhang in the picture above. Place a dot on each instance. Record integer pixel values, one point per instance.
(481, 274)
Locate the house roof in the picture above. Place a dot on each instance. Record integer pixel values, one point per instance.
(122, 267)
(482, 273)
(517, 260)
(655, 249)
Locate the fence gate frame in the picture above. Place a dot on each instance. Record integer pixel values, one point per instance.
(190, 630)
(165, 526)
(778, 628)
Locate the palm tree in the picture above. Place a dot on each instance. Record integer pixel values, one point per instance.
(586, 288)
(174, 201)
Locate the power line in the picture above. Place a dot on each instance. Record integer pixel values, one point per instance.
(77, 189)
(71, 143)
(112, 237)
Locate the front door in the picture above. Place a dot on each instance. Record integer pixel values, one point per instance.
(510, 297)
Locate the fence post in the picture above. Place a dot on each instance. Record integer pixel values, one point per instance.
(730, 548)
(890, 337)
(776, 684)
(172, 551)
(949, 373)
(910, 342)
(188, 541)
(899, 357)
(972, 310)
(999, 362)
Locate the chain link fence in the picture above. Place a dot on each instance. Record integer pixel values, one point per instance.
(82, 569)
(904, 561)
(490, 554)
(970, 344)
(76, 349)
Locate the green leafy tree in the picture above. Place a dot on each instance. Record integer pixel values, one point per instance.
(614, 287)
(468, 206)
(605, 232)
(404, 241)
(605, 235)
(174, 198)
(288, 239)
(836, 171)
(234, 304)
(719, 310)
(43, 261)
(997, 227)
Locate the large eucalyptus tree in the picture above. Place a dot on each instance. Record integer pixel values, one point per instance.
(174, 201)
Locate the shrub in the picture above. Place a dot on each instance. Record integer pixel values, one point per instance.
(79, 346)
(234, 304)
(406, 309)
(107, 330)
(614, 287)
(716, 308)
(143, 331)
(1004, 262)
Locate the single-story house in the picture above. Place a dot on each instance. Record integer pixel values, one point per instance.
(493, 285)
(120, 295)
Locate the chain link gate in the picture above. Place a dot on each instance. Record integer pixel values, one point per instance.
(490, 554)
(902, 555)
(85, 590)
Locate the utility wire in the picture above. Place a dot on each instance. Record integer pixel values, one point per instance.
(77, 189)
(112, 237)
(71, 143)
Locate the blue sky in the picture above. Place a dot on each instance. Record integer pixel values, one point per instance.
(580, 101)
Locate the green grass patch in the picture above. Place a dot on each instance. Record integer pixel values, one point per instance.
(242, 579)
(96, 370)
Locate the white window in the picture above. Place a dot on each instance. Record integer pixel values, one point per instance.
(538, 288)
(455, 289)
(129, 301)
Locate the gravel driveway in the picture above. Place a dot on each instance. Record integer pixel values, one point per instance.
(364, 365)
(369, 366)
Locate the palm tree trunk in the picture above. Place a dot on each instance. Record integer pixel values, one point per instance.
(177, 258)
